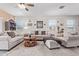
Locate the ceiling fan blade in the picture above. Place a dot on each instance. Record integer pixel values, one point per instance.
(31, 5)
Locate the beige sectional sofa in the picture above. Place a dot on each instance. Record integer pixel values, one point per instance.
(6, 42)
(69, 40)
(72, 41)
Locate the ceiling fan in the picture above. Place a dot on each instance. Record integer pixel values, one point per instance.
(25, 6)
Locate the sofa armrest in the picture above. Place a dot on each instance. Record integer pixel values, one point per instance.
(4, 45)
(64, 43)
(4, 38)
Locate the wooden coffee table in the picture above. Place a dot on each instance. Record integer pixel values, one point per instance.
(30, 42)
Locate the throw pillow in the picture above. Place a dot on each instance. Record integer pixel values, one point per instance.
(75, 33)
(12, 34)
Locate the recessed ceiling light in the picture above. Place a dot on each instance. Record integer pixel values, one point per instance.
(61, 7)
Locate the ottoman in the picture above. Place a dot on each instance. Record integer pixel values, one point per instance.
(52, 44)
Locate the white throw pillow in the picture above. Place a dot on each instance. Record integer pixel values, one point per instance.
(5, 34)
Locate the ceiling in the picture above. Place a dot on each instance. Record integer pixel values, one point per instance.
(42, 9)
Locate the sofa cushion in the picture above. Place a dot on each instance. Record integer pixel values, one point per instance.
(15, 38)
(74, 33)
(1, 33)
(5, 34)
(12, 34)
(2, 38)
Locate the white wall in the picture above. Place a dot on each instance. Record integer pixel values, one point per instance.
(1, 24)
(45, 19)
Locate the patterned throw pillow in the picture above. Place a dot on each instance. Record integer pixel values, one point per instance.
(12, 34)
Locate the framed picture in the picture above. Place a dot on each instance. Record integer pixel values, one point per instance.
(39, 24)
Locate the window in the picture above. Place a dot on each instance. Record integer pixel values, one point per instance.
(21, 24)
(52, 23)
(70, 25)
(25, 25)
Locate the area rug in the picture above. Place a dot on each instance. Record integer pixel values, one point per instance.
(41, 50)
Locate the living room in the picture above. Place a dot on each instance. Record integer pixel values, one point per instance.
(45, 28)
